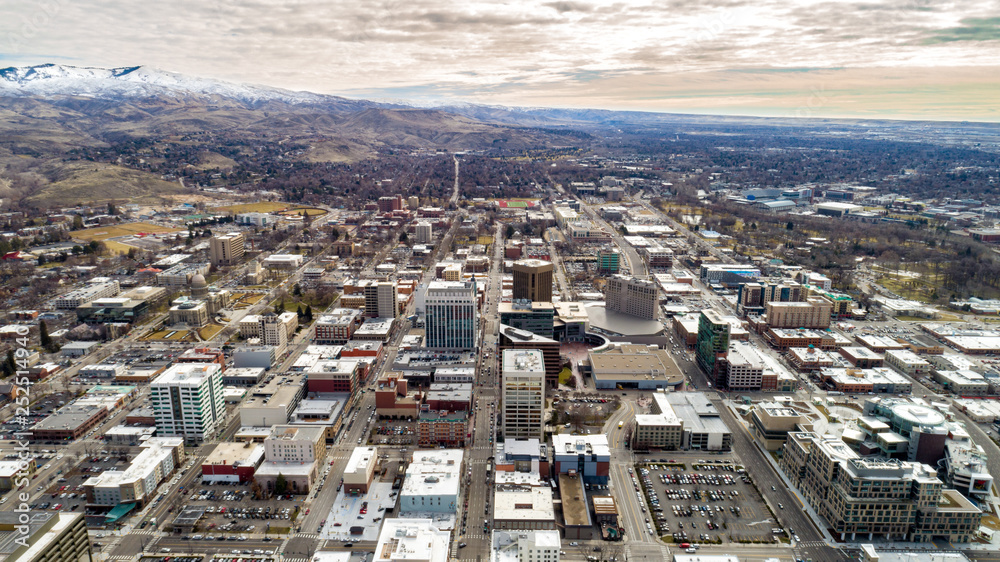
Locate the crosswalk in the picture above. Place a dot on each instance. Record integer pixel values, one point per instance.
(122, 557)
(308, 535)
(810, 543)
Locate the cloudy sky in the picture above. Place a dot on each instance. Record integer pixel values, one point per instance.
(926, 59)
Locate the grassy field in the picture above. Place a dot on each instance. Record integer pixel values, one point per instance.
(258, 207)
(245, 300)
(209, 332)
(117, 247)
(310, 211)
(565, 375)
(914, 288)
(116, 230)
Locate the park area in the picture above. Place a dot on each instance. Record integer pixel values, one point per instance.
(118, 230)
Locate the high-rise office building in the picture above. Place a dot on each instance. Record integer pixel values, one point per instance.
(533, 280)
(635, 297)
(523, 396)
(425, 233)
(452, 315)
(226, 249)
(713, 340)
(187, 401)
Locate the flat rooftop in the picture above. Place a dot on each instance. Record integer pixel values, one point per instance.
(574, 501)
(433, 472)
(189, 374)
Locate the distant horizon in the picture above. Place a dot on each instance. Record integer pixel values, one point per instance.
(807, 111)
(856, 59)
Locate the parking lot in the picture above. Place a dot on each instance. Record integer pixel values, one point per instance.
(64, 492)
(703, 501)
(36, 413)
(231, 510)
(393, 432)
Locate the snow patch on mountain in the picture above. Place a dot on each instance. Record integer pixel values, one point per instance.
(49, 80)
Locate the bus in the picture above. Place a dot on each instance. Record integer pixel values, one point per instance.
(621, 424)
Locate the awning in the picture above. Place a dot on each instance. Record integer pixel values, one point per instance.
(118, 512)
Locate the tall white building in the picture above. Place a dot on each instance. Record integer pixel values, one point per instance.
(636, 297)
(452, 317)
(425, 233)
(523, 394)
(187, 401)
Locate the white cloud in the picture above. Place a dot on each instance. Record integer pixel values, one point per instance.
(481, 49)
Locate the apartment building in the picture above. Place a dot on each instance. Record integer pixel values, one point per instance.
(862, 498)
(187, 401)
(814, 313)
(752, 298)
(97, 288)
(337, 326)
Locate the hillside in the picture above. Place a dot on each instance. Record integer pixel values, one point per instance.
(56, 122)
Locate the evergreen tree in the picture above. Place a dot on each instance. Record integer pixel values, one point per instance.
(9, 365)
(77, 222)
(43, 334)
(309, 313)
(299, 312)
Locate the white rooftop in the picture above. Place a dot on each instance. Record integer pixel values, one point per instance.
(361, 457)
(416, 540)
(433, 472)
(187, 374)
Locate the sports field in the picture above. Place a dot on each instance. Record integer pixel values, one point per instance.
(516, 204)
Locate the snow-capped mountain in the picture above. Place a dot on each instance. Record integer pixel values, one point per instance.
(50, 80)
